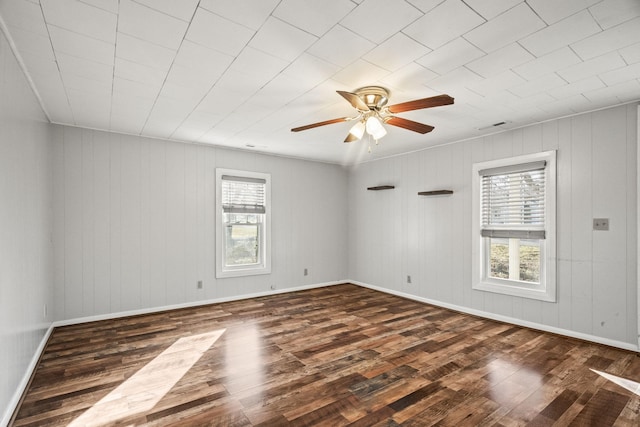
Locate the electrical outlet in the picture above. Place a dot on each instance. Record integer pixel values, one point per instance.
(199, 284)
(408, 279)
(306, 272)
(601, 224)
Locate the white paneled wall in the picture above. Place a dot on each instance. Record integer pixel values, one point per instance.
(134, 221)
(26, 251)
(396, 233)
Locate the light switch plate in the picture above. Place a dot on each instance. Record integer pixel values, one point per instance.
(601, 224)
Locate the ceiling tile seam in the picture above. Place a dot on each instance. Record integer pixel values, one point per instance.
(333, 63)
(98, 7)
(14, 49)
(203, 7)
(64, 86)
(113, 71)
(158, 10)
(422, 14)
(218, 79)
(594, 18)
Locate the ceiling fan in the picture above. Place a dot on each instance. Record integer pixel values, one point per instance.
(373, 111)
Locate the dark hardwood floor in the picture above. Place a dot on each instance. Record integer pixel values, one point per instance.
(342, 355)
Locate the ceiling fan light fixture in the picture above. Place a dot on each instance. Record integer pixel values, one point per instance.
(375, 128)
(358, 129)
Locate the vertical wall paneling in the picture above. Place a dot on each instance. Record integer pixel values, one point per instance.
(140, 219)
(26, 229)
(596, 177)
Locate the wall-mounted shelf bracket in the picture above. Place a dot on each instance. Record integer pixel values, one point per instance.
(435, 193)
(382, 187)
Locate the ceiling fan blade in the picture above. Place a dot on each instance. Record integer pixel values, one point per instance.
(351, 138)
(418, 104)
(326, 122)
(409, 124)
(354, 100)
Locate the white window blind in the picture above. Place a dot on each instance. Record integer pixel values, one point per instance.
(513, 201)
(243, 195)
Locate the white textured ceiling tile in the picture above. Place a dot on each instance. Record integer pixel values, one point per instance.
(436, 28)
(396, 52)
(76, 44)
(40, 66)
(610, 13)
(182, 9)
(592, 67)
(507, 28)
(150, 25)
(205, 64)
(554, 11)
(126, 102)
(137, 89)
(456, 79)
(87, 87)
(71, 65)
(194, 82)
(426, 5)
(410, 76)
(340, 46)
(250, 13)
(32, 42)
(81, 18)
(144, 53)
(282, 40)
(631, 54)
(134, 71)
(500, 60)
(533, 87)
(568, 106)
(259, 64)
(311, 68)
(106, 5)
(621, 75)
(377, 20)
(218, 33)
(360, 73)
(554, 61)
(622, 92)
(493, 8)
(503, 81)
(572, 29)
(577, 88)
(450, 56)
(220, 101)
(620, 36)
(315, 17)
(240, 84)
(23, 14)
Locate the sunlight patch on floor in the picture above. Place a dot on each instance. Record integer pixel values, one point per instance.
(142, 391)
(630, 385)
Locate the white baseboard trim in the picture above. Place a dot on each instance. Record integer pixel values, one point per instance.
(24, 383)
(108, 316)
(566, 332)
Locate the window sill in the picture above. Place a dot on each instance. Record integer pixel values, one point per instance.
(514, 288)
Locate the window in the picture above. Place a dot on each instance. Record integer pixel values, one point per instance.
(243, 224)
(514, 226)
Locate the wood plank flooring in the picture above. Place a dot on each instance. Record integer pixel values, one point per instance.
(341, 355)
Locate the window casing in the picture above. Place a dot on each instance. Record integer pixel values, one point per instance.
(514, 226)
(243, 223)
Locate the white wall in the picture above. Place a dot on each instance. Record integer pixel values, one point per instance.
(135, 222)
(26, 256)
(395, 233)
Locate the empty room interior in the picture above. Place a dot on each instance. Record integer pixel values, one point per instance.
(346, 212)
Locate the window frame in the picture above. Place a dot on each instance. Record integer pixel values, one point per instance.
(481, 280)
(264, 229)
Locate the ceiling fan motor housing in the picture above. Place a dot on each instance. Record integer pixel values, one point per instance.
(375, 97)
